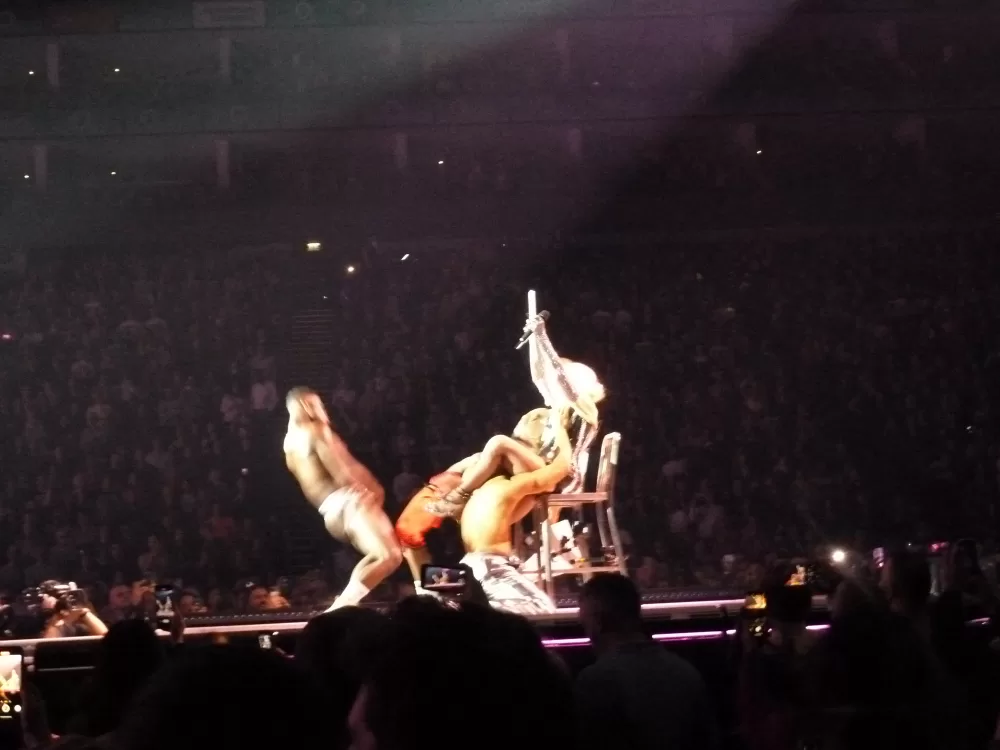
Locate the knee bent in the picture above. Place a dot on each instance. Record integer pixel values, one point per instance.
(392, 556)
(496, 445)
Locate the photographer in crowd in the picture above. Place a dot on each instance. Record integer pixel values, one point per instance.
(774, 643)
(67, 612)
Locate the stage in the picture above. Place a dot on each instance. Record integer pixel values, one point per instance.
(669, 616)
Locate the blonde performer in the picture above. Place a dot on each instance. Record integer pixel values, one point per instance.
(567, 387)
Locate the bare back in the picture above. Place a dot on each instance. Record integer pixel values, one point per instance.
(486, 517)
(502, 501)
(321, 462)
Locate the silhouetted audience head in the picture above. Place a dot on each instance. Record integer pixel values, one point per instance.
(610, 606)
(906, 581)
(340, 648)
(877, 682)
(453, 679)
(128, 656)
(229, 697)
(345, 640)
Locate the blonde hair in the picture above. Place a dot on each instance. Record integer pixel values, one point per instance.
(584, 380)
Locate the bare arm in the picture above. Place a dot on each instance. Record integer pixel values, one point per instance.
(547, 371)
(537, 366)
(87, 619)
(332, 452)
(339, 463)
(94, 624)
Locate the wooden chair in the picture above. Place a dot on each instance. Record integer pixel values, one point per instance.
(602, 499)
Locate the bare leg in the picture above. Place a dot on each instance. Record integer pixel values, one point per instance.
(465, 464)
(372, 534)
(416, 558)
(498, 449)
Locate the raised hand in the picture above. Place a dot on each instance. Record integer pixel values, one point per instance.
(534, 324)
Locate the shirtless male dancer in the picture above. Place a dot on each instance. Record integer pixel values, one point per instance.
(344, 492)
(486, 531)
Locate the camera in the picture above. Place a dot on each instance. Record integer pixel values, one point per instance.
(67, 596)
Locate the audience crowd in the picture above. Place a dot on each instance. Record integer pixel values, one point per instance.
(893, 668)
(774, 396)
(779, 394)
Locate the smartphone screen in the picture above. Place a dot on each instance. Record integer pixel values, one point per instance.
(11, 703)
(443, 580)
(164, 595)
(755, 614)
(755, 601)
(265, 642)
(878, 556)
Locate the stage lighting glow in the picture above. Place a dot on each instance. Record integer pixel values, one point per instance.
(27, 177)
(440, 162)
(405, 256)
(838, 556)
(314, 247)
(351, 269)
(118, 70)
(113, 173)
(681, 637)
(759, 152)
(31, 72)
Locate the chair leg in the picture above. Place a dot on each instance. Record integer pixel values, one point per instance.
(546, 551)
(584, 545)
(536, 549)
(616, 538)
(517, 541)
(602, 529)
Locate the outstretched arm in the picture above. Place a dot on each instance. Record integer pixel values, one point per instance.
(550, 378)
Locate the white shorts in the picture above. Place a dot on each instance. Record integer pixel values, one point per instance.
(340, 508)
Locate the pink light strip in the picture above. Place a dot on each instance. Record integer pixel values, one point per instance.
(684, 636)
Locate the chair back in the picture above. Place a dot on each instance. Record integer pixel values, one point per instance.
(607, 470)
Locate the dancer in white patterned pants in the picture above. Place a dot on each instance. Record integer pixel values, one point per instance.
(486, 531)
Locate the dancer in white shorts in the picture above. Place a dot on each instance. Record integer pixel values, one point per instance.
(344, 492)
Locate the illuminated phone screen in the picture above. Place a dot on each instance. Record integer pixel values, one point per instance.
(442, 579)
(755, 601)
(11, 674)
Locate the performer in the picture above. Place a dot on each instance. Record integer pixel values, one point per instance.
(417, 519)
(562, 384)
(344, 492)
(486, 530)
